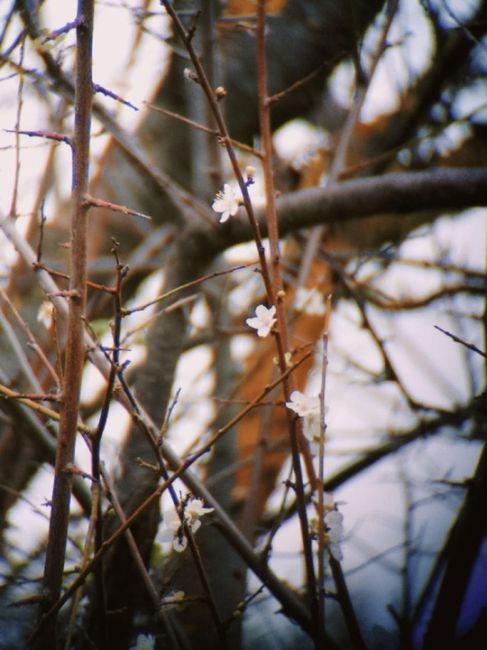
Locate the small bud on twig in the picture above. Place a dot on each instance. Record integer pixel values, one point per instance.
(220, 92)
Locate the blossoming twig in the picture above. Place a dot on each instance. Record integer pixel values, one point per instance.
(174, 523)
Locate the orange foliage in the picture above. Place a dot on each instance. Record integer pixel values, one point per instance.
(249, 7)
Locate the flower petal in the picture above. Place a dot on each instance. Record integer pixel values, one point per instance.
(263, 321)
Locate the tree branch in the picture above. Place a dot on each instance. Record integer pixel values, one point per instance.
(422, 194)
(75, 352)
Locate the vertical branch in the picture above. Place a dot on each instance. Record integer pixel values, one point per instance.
(348, 611)
(321, 471)
(275, 295)
(99, 611)
(206, 173)
(226, 141)
(462, 549)
(75, 351)
(20, 93)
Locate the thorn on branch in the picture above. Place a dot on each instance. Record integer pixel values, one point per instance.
(48, 135)
(74, 470)
(143, 463)
(52, 36)
(115, 207)
(109, 93)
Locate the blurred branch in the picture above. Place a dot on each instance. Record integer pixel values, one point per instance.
(422, 193)
(21, 410)
(461, 553)
(452, 52)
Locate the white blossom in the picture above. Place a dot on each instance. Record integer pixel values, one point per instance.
(226, 202)
(264, 320)
(334, 521)
(334, 534)
(336, 550)
(303, 405)
(333, 526)
(250, 172)
(328, 501)
(310, 301)
(312, 431)
(144, 642)
(44, 315)
(196, 509)
(173, 530)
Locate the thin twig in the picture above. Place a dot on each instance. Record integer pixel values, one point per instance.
(32, 342)
(183, 287)
(275, 292)
(457, 339)
(129, 143)
(201, 127)
(20, 99)
(277, 97)
(41, 408)
(47, 135)
(114, 207)
(321, 469)
(109, 93)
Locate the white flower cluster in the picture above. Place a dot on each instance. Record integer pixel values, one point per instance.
(333, 527)
(173, 530)
(309, 409)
